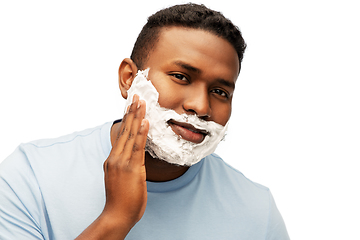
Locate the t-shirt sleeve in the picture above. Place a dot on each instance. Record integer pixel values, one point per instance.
(21, 210)
(276, 229)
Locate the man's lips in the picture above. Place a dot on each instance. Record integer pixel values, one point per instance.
(187, 131)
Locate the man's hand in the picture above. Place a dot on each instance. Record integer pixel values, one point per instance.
(125, 178)
(125, 175)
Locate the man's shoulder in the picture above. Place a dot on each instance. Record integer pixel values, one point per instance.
(87, 144)
(68, 138)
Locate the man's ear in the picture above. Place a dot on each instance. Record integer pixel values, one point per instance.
(127, 73)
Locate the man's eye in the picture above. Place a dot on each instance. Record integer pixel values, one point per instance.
(221, 93)
(180, 77)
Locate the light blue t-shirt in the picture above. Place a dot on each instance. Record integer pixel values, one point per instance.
(54, 189)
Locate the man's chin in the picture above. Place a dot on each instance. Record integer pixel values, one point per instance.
(162, 161)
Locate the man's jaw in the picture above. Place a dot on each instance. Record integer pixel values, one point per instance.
(187, 131)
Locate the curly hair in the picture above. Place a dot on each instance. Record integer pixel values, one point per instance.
(190, 16)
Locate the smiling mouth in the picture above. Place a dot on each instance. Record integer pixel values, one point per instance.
(187, 131)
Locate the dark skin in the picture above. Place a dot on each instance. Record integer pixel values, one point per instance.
(194, 72)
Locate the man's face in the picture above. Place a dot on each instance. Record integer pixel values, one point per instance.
(194, 72)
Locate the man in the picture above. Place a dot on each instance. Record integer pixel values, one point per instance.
(101, 184)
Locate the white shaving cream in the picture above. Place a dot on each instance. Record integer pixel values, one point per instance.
(162, 142)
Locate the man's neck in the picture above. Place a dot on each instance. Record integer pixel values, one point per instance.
(160, 171)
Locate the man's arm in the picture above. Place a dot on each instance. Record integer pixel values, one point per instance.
(125, 178)
(276, 229)
(21, 212)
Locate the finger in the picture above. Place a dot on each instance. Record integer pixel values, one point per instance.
(114, 158)
(121, 137)
(138, 150)
(125, 128)
(132, 137)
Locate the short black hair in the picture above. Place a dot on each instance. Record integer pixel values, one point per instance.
(190, 16)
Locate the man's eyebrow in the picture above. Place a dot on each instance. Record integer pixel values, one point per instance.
(197, 70)
(187, 66)
(226, 83)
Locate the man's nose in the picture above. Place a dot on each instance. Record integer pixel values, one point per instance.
(198, 102)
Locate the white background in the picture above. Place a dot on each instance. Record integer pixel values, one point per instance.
(295, 124)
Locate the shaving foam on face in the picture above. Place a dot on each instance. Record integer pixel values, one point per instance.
(162, 142)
